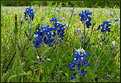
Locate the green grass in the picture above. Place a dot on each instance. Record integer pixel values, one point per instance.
(23, 67)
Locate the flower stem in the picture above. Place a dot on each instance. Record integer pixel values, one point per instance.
(84, 36)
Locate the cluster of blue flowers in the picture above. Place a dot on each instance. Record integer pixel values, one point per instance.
(80, 60)
(28, 12)
(105, 26)
(46, 34)
(58, 28)
(86, 18)
(43, 35)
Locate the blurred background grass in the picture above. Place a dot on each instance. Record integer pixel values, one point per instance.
(88, 4)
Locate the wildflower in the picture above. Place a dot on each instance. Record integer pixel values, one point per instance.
(59, 27)
(108, 75)
(54, 19)
(43, 35)
(37, 42)
(57, 10)
(105, 26)
(111, 15)
(58, 77)
(82, 37)
(70, 79)
(83, 72)
(85, 17)
(112, 47)
(79, 61)
(71, 10)
(74, 13)
(29, 12)
(13, 33)
(60, 16)
(21, 21)
(116, 20)
(78, 30)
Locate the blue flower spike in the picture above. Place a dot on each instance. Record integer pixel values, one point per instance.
(29, 12)
(86, 18)
(105, 26)
(79, 61)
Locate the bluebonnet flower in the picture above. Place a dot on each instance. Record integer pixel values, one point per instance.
(60, 16)
(74, 13)
(43, 35)
(108, 75)
(38, 41)
(82, 37)
(58, 29)
(54, 19)
(13, 33)
(71, 10)
(112, 15)
(78, 30)
(112, 47)
(21, 21)
(79, 61)
(116, 20)
(58, 77)
(28, 12)
(83, 72)
(85, 17)
(70, 79)
(57, 10)
(105, 26)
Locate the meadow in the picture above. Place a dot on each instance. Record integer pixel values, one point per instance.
(59, 58)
